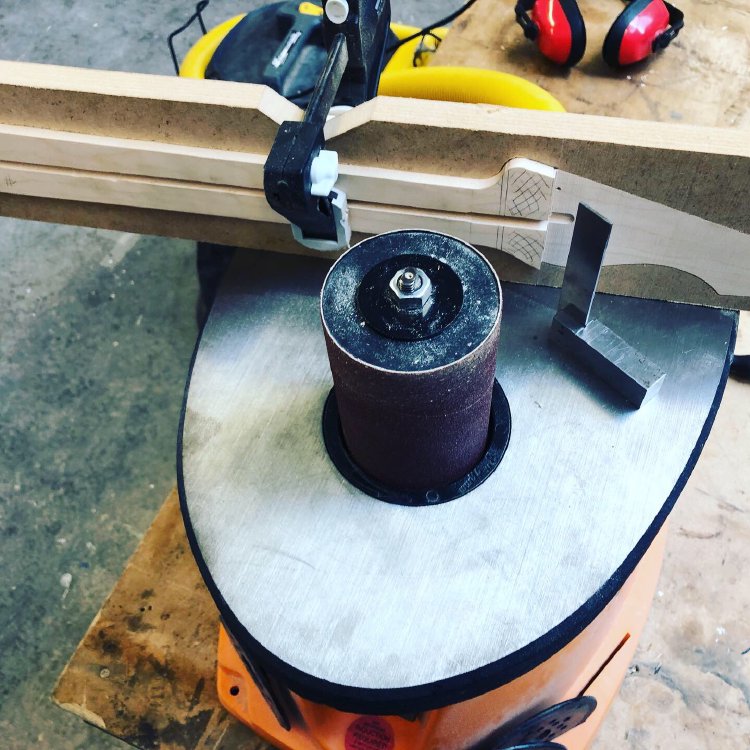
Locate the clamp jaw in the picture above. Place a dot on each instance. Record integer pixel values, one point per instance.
(300, 174)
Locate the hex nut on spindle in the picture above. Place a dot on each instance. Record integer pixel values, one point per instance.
(411, 290)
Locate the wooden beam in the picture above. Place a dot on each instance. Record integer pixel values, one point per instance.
(35, 150)
(132, 143)
(163, 109)
(186, 179)
(636, 280)
(526, 210)
(700, 170)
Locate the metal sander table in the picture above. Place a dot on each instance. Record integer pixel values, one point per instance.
(429, 604)
(373, 607)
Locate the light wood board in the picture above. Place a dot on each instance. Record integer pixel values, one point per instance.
(526, 210)
(38, 163)
(653, 160)
(704, 172)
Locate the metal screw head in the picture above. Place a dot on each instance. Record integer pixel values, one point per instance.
(411, 289)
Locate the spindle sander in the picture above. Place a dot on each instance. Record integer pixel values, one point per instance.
(431, 510)
(417, 538)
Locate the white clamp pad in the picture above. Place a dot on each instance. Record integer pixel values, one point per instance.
(324, 171)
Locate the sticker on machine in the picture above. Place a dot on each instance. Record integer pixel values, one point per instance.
(369, 733)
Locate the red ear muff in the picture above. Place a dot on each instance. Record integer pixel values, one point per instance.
(645, 26)
(556, 26)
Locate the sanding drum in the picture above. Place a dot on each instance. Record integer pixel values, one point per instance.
(411, 322)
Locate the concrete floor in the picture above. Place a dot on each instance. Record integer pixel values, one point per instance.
(97, 332)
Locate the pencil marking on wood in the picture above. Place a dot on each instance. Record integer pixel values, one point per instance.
(527, 246)
(527, 189)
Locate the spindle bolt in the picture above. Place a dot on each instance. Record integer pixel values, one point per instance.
(411, 289)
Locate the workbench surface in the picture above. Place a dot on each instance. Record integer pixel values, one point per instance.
(145, 671)
(703, 78)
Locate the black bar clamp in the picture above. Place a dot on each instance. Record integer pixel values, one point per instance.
(300, 174)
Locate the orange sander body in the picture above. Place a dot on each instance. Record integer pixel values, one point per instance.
(593, 664)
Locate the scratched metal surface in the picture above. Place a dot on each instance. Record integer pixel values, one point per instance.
(372, 595)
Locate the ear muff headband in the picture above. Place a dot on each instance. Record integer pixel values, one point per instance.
(556, 26)
(645, 26)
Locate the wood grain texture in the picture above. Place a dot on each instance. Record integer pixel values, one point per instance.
(165, 109)
(146, 669)
(635, 279)
(55, 164)
(702, 171)
(524, 210)
(645, 232)
(702, 79)
(249, 204)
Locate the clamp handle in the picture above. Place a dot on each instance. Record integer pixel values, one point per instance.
(299, 174)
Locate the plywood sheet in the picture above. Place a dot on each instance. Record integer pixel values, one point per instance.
(145, 670)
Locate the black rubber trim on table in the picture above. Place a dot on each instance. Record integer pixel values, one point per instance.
(441, 693)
